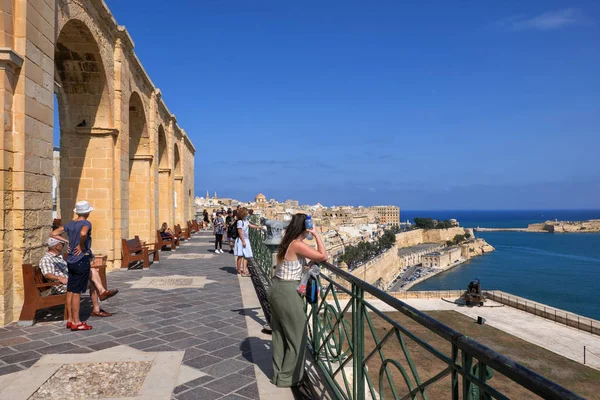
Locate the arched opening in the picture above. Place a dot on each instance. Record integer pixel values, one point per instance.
(140, 162)
(164, 181)
(179, 196)
(84, 118)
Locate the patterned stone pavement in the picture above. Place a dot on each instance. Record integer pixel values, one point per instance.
(205, 317)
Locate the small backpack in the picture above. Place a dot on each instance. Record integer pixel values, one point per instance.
(232, 230)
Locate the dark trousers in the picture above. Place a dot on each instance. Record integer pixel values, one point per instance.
(219, 240)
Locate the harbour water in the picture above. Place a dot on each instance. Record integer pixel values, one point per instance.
(561, 270)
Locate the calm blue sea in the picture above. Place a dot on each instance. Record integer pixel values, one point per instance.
(562, 270)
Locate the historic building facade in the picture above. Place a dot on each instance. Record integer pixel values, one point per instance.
(120, 147)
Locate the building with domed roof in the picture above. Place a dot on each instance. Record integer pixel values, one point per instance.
(260, 198)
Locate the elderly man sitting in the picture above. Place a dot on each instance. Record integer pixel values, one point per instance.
(54, 268)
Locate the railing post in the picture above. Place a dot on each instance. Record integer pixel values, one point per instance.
(358, 340)
(467, 362)
(455, 393)
(315, 328)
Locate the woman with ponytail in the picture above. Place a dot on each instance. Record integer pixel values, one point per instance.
(288, 319)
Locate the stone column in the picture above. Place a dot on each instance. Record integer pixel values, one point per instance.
(179, 210)
(140, 190)
(10, 66)
(165, 195)
(26, 93)
(87, 173)
(120, 159)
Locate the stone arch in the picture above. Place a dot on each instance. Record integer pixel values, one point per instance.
(140, 166)
(176, 160)
(163, 154)
(165, 186)
(85, 115)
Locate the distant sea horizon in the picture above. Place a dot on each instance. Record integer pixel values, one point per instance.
(561, 270)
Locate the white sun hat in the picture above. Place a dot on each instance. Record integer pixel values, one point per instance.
(83, 207)
(53, 241)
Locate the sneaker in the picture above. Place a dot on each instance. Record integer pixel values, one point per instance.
(221, 251)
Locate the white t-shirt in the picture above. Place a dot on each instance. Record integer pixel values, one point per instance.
(244, 225)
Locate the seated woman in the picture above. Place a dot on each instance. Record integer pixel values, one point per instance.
(288, 318)
(165, 231)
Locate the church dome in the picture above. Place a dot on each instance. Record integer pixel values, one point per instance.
(260, 198)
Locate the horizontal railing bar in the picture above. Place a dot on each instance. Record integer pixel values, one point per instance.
(504, 365)
(411, 335)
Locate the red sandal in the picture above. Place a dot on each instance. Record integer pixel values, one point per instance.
(81, 327)
(69, 324)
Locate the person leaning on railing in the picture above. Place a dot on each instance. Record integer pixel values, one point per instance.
(288, 319)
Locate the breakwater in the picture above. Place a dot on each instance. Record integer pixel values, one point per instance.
(556, 226)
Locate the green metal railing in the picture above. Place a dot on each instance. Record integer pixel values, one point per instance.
(342, 321)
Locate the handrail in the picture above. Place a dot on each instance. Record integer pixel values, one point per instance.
(337, 343)
(524, 376)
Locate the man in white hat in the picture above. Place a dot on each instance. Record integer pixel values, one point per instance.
(54, 268)
(79, 260)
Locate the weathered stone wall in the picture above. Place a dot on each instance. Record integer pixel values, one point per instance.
(419, 236)
(380, 271)
(110, 115)
(410, 238)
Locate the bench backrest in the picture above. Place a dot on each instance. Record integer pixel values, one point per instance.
(160, 238)
(32, 276)
(177, 229)
(132, 245)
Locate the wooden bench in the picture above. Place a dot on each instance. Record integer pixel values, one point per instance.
(196, 226)
(162, 242)
(34, 284)
(134, 250)
(180, 234)
(191, 228)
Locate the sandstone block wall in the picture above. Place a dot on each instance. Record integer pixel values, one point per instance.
(118, 139)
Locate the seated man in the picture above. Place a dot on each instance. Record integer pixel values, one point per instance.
(54, 268)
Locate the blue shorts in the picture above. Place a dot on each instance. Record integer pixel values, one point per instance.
(79, 275)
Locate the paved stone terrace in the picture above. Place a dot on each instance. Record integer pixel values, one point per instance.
(208, 323)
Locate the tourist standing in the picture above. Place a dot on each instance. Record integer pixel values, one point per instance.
(205, 218)
(288, 319)
(79, 259)
(242, 249)
(228, 222)
(219, 229)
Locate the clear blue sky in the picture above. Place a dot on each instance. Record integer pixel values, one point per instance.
(427, 105)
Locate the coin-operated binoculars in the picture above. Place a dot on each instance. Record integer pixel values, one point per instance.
(275, 230)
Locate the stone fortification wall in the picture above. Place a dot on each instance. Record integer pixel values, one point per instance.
(420, 236)
(410, 238)
(380, 271)
(475, 247)
(442, 235)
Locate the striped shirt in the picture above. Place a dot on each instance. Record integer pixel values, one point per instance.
(290, 270)
(54, 264)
